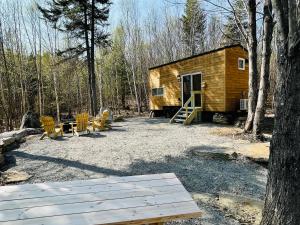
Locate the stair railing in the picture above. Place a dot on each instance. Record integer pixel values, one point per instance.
(186, 104)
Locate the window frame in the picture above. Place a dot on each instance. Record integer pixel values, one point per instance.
(244, 63)
(156, 94)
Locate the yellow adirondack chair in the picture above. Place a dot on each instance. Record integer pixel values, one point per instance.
(48, 124)
(82, 123)
(101, 123)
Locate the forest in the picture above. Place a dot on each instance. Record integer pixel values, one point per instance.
(41, 56)
(67, 57)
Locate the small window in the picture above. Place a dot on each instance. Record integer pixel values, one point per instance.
(158, 91)
(241, 64)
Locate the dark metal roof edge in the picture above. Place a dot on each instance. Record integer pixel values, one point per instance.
(194, 56)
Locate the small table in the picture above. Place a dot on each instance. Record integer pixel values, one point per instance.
(67, 125)
(145, 199)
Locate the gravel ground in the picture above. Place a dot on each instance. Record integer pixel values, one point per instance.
(145, 146)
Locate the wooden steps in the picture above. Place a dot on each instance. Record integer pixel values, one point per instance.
(185, 116)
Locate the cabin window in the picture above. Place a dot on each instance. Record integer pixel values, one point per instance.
(241, 64)
(158, 91)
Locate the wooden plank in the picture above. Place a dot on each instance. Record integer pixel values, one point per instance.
(89, 197)
(236, 80)
(138, 215)
(95, 206)
(126, 200)
(214, 71)
(79, 183)
(60, 191)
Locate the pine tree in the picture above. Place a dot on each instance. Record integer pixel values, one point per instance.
(214, 27)
(194, 25)
(232, 34)
(84, 20)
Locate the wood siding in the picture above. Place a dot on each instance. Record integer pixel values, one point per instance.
(219, 69)
(211, 66)
(236, 84)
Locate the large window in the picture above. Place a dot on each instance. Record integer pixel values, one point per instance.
(158, 91)
(241, 64)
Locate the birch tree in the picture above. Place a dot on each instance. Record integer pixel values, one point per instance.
(268, 25)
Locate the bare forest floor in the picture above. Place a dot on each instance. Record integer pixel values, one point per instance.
(203, 159)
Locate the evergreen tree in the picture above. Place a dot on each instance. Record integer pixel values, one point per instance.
(214, 27)
(84, 20)
(232, 34)
(194, 25)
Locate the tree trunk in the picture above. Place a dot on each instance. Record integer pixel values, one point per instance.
(56, 96)
(253, 73)
(39, 73)
(93, 76)
(8, 83)
(88, 54)
(138, 105)
(282, 202)
(55, 83)
(40, 78)
(265, 69)
(79, 95)
(100, 81)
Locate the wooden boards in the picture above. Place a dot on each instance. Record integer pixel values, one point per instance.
(117, 200)
(224, 82)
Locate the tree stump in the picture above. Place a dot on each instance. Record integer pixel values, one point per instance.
(30, 120)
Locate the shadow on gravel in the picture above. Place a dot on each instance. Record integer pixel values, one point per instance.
(60, 138)
(198, 174)
(70, 163)
(152, 121)
(208, 175)
(91, 135)
(115, 130)
(206, 148)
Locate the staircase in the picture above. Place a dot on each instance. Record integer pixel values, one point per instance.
(184, 116)
(188, 112)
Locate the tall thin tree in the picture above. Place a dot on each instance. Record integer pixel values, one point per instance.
(268, 25)
(194, 25)
(84, 20)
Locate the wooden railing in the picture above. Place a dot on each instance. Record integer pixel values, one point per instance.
(186, 107)
(191, 101)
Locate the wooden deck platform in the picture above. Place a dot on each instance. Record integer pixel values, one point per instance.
(141, 199)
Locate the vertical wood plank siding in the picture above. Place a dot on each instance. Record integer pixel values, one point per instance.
(212, 67)
(236, 80)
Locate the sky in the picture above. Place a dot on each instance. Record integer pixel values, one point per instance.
(143, 6)
(143, 9)
(174, 7)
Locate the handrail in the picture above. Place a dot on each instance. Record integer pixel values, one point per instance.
(192, 101)
(186, 105)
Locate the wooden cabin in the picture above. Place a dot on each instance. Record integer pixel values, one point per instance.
(213, 81)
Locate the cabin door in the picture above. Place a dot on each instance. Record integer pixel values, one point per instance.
(191, 85)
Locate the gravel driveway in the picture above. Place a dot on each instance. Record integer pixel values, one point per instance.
(145, 146)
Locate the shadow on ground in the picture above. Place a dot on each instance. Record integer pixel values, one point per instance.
(70, 163)
(206, 175)
(198, 174)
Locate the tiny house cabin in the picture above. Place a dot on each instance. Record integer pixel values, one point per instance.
(213, 81)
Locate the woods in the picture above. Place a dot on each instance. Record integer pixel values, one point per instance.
(109, 68)
(49, 65)
(67, 57)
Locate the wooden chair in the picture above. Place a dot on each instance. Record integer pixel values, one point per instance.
(82, 123)
(48, 124)
(101, 123)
